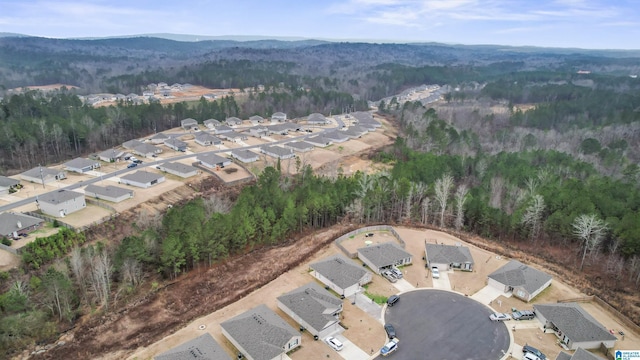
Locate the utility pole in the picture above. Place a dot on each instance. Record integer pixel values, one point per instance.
(41, 176)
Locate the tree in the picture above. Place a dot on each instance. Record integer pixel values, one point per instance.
(532, 217)
(590, 230)
(442, 189)
(461, 197)
(58, 293)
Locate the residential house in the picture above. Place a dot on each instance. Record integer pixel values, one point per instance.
(42, 175)
(257, 119)
(579, 354)
(206, 139)
(277, 152)
(213, 161)
(573, 326)
(383, 256)
(233, 121)
(111, 193)
(317, 119)
(131, 144)
(81, 165)
(243, 155)
(211, 123)
(121, 97)
(260, 334)
(204, 347)
(148, 93)
(142, 179)
(279, 117)
(175, 144)
(291, 126)
(258, 131)
(222, 129)
(59, 203)
(314, 308)
(279, 129)
(131, 97)
(318, 140)
(299, 146)
(355, 131)
(365, 118)
(446, 257)
(336, 136)
(233, 136)
(159, 138)
(340, 274)
(178, 169)
(147, 150)
(522, 280)
(14, 224)
(189, 124)
(8, 185)
(111, 155)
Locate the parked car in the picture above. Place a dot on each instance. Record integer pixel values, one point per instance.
(136, 161)
(132, 165)
(531, 350)
(392, 300)
(391, 331)
(389, 347)
(530, 356)
(24, 234)
(334, 343)
(435, 272)
(523, 315)
(396, 272)
(368, 235)
(389, 276)
(496, 316)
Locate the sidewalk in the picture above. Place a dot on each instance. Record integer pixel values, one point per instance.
(367, 305)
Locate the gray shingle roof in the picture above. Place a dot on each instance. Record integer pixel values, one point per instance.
(574, 322)
(179, 167)
(514, 273)
(223, 128)
(9, 222)
(260, 332)
(313, 304)
(448, 254)
(109, 190)
(579, 354)
(204, 137)
(59, 196)
(340, 270)
(563, 356)
(146, 149)
(212, 159)
(142, 176)
(335, 135)
(204, 347)
(36, 172)
(7, 182)
(176, 143)
(132, 144)
(188, 121)
(383, 255)
(301, 145)
(79, 163)
(277, 150)
(111, 153)
(243, 154)
(159, 136)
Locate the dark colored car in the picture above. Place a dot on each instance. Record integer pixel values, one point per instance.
(392, 300)
(534, 351)
(132, 165)
(391, 331)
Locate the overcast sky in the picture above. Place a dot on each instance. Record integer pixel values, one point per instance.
(594, 24)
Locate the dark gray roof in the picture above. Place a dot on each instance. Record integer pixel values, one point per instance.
(233, 120)
(233, 134)
(383, 255)
(340, 270)
(178, 167)
(211, 159)
(243, 154)
(514, 273)
(448, 254)
(223, 128)
(175, 142)
(260, 332)
(579, 354)
(59, 196)
(211, 121)
(142, 176)
(109, 190)
(574, 322)
(313, 304)
(111, 153)
(160, 136)
(132, 144)
(362, 115)
(316, 117)
(278, 114)
(563, 356)
(188, 121)
(277, 150)
(9, 222)
(146, 149)
(353, 131)
(204, 347)
(318, 139)
(256, 118)
(40, 170)
(7, 182)
(203, 137)
(79, 163)
(301, 145)
(335, 135)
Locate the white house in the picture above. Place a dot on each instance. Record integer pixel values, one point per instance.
(189, 124)
(213, 161)
(313, 308)
(7, 184)
(211, 123)
(277, 152)
(61, 202)
(317, 119)
(279, 117)
(131, 144)
(342, 275)
(383, 256)
(579, 354)
(336, 136)
(81, 165)
(243, 155)
(446, 257)
(175, 144)
(111, 155)
(522, 280)
(111, 193)
(204, 347)
(147, 150)
(257, 119)
(142, 179)
(178, 169)
(14, 224)
(158, 138)
(299, 146)
(42, 175)
(233, 136)
(319, 141)
(233, 121)
(221, 129)
(205, 139)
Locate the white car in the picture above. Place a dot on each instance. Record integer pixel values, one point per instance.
(499, 317)
(435, 272)
(334, 343)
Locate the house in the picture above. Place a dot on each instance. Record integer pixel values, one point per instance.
(446, 257)
(579, 354)
(147, 93)
(277, 152)
(299, 146)
(147, 150)
(175, 144)
(318, 140)
(341, 274)
(206, 139)
(14, 224)
(260, 334)
(573, 326)
(257, 119)
(233, 136)
(233, 121)
(279, 129)
(61, 202)
(204, 347)
(111, 155)
(363, 117)
(131, 144)
(8, 185)
(336, 136)
(279, 117)
(110, 193)
(291, 126)
(258, 131)
(189, 124)
(158, 138)
(141, 178)
(523, 281)
(42, 175)
(245, 156)
(81, 165)
(222, 129)
(383, 256)
(314, 308)
(317, 119)
(178, 169)
(213, 161)
(211, 123)
(355, 131)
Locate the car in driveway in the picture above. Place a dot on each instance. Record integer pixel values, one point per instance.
(523, 315)
(390, 330)
(396, 272)
(435, 272)
(334, 343)
(496, 316)
(389, 347)
(528, 349)
(389, 276)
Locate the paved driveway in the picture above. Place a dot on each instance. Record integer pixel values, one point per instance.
(443, 282)
(403, 285)
(441, 325)
(350, 351)
(487, 294)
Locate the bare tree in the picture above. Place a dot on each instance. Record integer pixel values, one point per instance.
(460, 197)
(131, 271)
(426, 202)
(497, 186)
(442, 189)
(216, 204)
(590, 230)
(77, 263)
(101, 271)
(532, 217)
